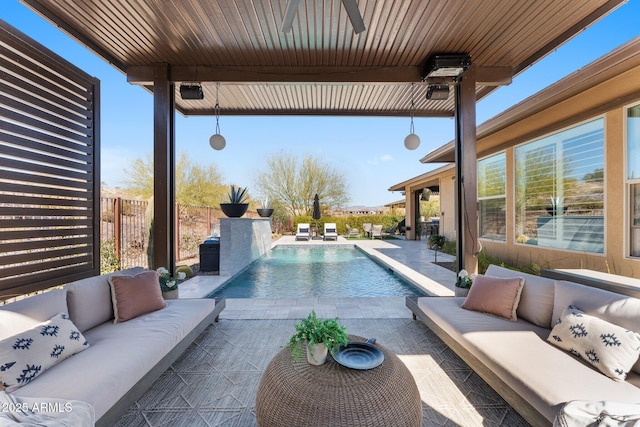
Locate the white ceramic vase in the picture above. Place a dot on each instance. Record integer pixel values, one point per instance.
(316, 354)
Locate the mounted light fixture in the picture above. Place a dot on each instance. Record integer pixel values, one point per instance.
(438, 92)
(447, 65)
(191, 91)
(217, 141)
(412, 141)
(351, 6)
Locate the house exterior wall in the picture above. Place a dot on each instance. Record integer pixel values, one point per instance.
(447, 205)
(608, 100)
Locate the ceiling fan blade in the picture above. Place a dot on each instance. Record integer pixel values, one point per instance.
(354, 15)
(289, 14)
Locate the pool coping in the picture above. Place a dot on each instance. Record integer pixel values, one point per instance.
(202, 285)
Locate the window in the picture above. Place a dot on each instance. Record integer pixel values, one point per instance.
(492, 197)
(560, 189)
(633, 177)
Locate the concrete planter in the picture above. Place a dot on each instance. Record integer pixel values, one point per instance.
(174, 294)
(234, 210)
(317, 354)
(265, 213)
(461, 292)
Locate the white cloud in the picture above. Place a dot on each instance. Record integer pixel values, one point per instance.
(382, 159)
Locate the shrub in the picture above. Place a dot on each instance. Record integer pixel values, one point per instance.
(109, 261)
(485, 259)
(186, 270)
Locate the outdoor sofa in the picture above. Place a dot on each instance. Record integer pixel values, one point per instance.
(122, 359)
(515, 357)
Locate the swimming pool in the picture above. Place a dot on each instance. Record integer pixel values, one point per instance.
(315, 272)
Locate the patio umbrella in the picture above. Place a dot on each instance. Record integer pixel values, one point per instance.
(316, 211)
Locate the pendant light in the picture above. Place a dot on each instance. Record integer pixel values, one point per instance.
(217, 141)
(412, 141)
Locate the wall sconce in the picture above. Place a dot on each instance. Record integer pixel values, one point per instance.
(447, 65)
(438, 92)
(217, 141)
(191, 91)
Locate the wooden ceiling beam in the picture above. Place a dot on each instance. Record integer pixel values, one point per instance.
(141, 75)
(316, 112)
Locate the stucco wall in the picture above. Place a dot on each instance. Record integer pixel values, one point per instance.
(609, 100)
(447, 205)
(606, 100)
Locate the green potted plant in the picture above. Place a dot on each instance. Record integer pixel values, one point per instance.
(436, 241)
(237, 206)
(319, 336)
(265, 209)
(169, 284)
(463, 283)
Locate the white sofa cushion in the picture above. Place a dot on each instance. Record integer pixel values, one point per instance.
(23, 314)
(518, 353)
(89, 299)
(29, 353)
(536, 301)
(119, 356)
(609, 348)
(41, 412)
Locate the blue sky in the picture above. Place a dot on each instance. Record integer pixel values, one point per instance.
(369, 151)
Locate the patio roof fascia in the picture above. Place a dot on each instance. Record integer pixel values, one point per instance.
(420, 180)
(616, 62)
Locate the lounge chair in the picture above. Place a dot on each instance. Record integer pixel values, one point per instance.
(352, 232)
(303, 232)
(330, 231)
(376, 231)
(367, 228)
(391, 230)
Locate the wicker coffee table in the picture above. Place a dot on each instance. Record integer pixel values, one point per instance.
(298, 394)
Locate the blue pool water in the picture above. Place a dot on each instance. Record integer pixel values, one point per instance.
(315, 272)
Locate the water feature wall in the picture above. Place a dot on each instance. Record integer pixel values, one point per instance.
(242, 241)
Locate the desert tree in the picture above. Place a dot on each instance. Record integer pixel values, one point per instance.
(196, 185)
(295, 182)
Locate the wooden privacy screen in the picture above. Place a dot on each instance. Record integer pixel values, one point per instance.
(49, 168)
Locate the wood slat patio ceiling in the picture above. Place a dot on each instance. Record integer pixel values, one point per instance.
(321, 66)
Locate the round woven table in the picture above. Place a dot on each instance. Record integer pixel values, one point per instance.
(298, 394)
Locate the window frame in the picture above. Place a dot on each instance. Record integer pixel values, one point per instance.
(514, 183)
(628, 184)
(502, 196)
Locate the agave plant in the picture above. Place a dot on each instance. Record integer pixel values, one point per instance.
(265, 203)
(237, 195)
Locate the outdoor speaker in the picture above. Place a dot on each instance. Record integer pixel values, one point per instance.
(191, 91)
(438, 92)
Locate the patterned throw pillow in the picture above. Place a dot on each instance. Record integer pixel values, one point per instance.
(28, 354)
(610, 348)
